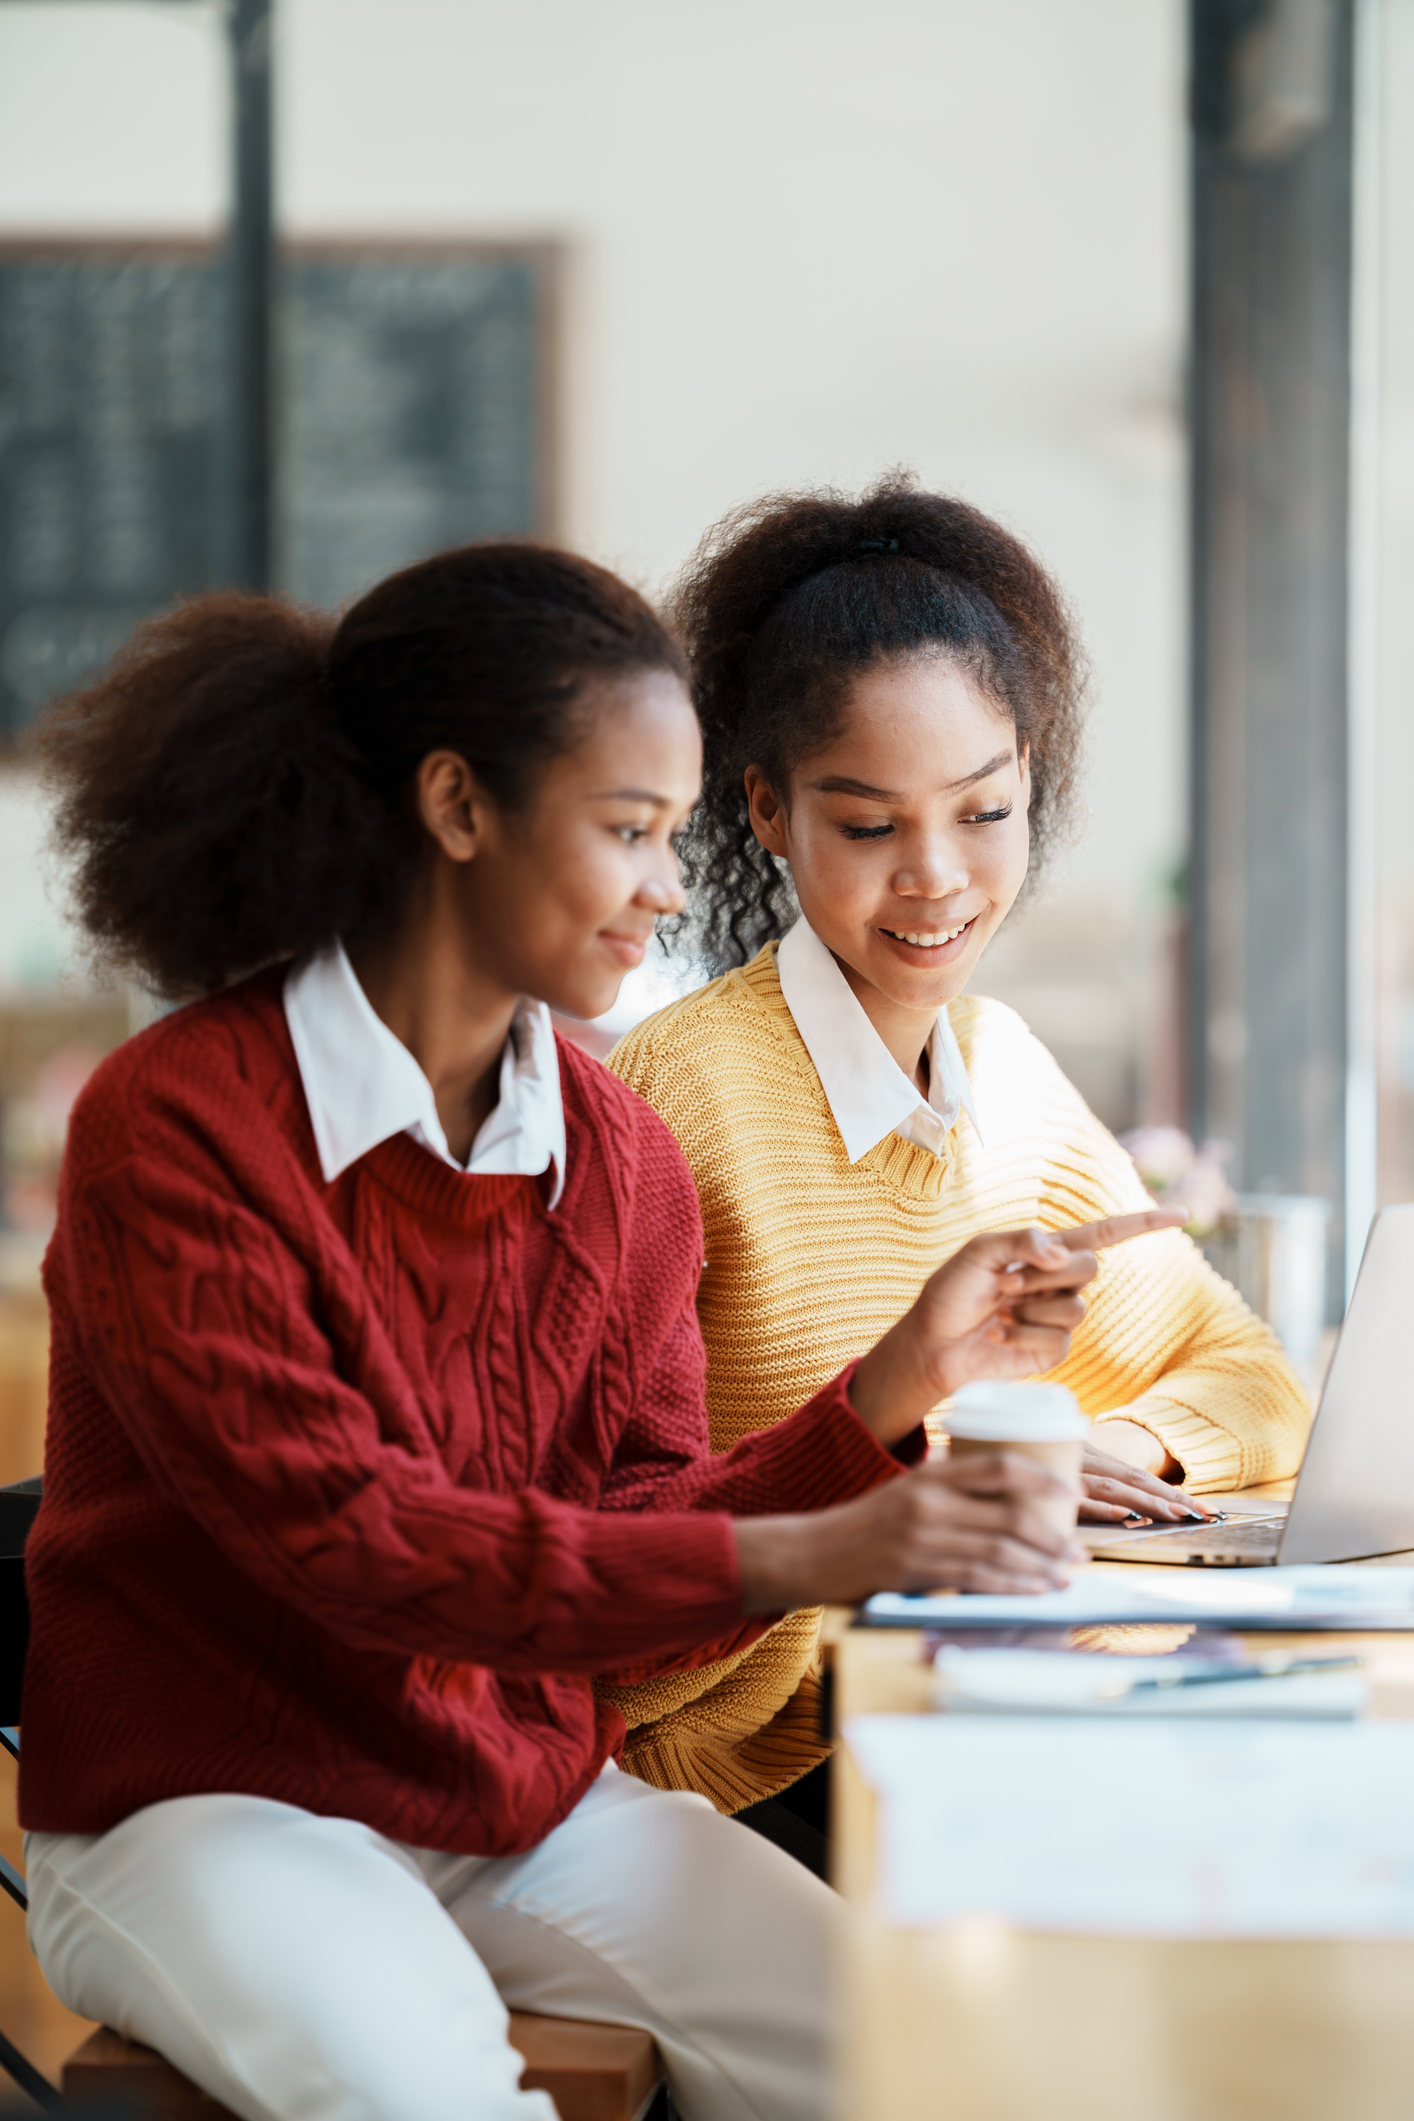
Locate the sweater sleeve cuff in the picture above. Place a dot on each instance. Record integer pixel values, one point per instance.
(875, 1459)
(907, 1451)
(911, 1448)
(821, 1454)
(1209, 1459)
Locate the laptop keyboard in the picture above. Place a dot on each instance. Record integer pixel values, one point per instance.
(1255, 1539)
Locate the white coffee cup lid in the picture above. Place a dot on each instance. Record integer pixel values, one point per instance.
(992, 1412)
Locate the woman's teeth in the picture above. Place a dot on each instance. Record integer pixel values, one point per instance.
(926, 940)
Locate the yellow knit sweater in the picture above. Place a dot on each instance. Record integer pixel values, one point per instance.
(811, 1258)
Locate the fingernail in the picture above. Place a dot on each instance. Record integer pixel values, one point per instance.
(1135, 1518)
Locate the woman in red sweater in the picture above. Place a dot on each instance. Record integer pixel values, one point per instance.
(376, 1423)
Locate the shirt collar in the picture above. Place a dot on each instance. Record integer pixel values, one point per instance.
(868, 1093)
(363, 1086)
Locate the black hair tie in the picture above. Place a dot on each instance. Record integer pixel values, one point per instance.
(877, 545)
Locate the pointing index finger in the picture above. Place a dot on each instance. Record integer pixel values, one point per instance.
(1118, 1229)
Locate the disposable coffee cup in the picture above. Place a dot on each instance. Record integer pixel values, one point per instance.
(1035, 1421)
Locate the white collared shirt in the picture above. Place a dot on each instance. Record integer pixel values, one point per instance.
(363, 1086)
(868, 1093)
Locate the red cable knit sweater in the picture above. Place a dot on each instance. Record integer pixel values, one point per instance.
(349, 1488)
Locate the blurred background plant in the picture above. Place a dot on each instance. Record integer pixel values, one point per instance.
(1272, 1247)
(1174, 1170)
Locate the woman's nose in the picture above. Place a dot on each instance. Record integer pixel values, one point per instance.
(662, 894)
(934, 871)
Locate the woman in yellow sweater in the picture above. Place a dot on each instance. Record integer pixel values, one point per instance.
(890, 699)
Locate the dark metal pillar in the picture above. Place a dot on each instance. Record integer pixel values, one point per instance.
(250, 284)
(1270, 384)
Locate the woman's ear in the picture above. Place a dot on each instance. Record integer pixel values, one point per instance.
(451, 805)
(767, 813)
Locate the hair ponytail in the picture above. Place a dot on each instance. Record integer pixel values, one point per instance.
(232, 789)
(201, 780)
(789, 599)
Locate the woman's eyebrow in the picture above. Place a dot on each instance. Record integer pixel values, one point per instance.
(842, 784)
(629, 795)
(1003, 758)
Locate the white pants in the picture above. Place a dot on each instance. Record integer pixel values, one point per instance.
(308, 1969)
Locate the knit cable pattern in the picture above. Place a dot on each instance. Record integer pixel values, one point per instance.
(351, 1489)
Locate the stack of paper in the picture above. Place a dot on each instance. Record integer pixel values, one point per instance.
(985, 1682)
(1151, 1829)
(1312, 1597)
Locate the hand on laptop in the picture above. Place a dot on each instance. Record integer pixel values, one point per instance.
(1115, 1491)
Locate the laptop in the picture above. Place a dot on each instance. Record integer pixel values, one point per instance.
(1355, 1494)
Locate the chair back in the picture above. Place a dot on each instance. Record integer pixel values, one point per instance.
(18, 1507)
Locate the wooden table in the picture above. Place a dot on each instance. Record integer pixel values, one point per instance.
(978, 2022)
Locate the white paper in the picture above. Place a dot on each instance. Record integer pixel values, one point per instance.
(1303, 1597)
(1170, 1828)
(1068, 1683)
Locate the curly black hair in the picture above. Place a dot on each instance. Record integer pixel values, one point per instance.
(232, 790)
(790, 598)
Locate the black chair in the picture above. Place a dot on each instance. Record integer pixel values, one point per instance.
(18, 1506)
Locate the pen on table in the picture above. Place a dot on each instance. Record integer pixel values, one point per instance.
(1267, 1670)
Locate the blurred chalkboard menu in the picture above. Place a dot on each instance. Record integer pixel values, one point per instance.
(412, 389)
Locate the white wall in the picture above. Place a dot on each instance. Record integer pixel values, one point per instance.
(810, 240)
(817, 240)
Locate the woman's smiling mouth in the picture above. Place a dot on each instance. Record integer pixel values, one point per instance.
(628, 949)
(933, 939)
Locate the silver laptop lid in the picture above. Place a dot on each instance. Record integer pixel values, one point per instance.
(1356, 1491)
